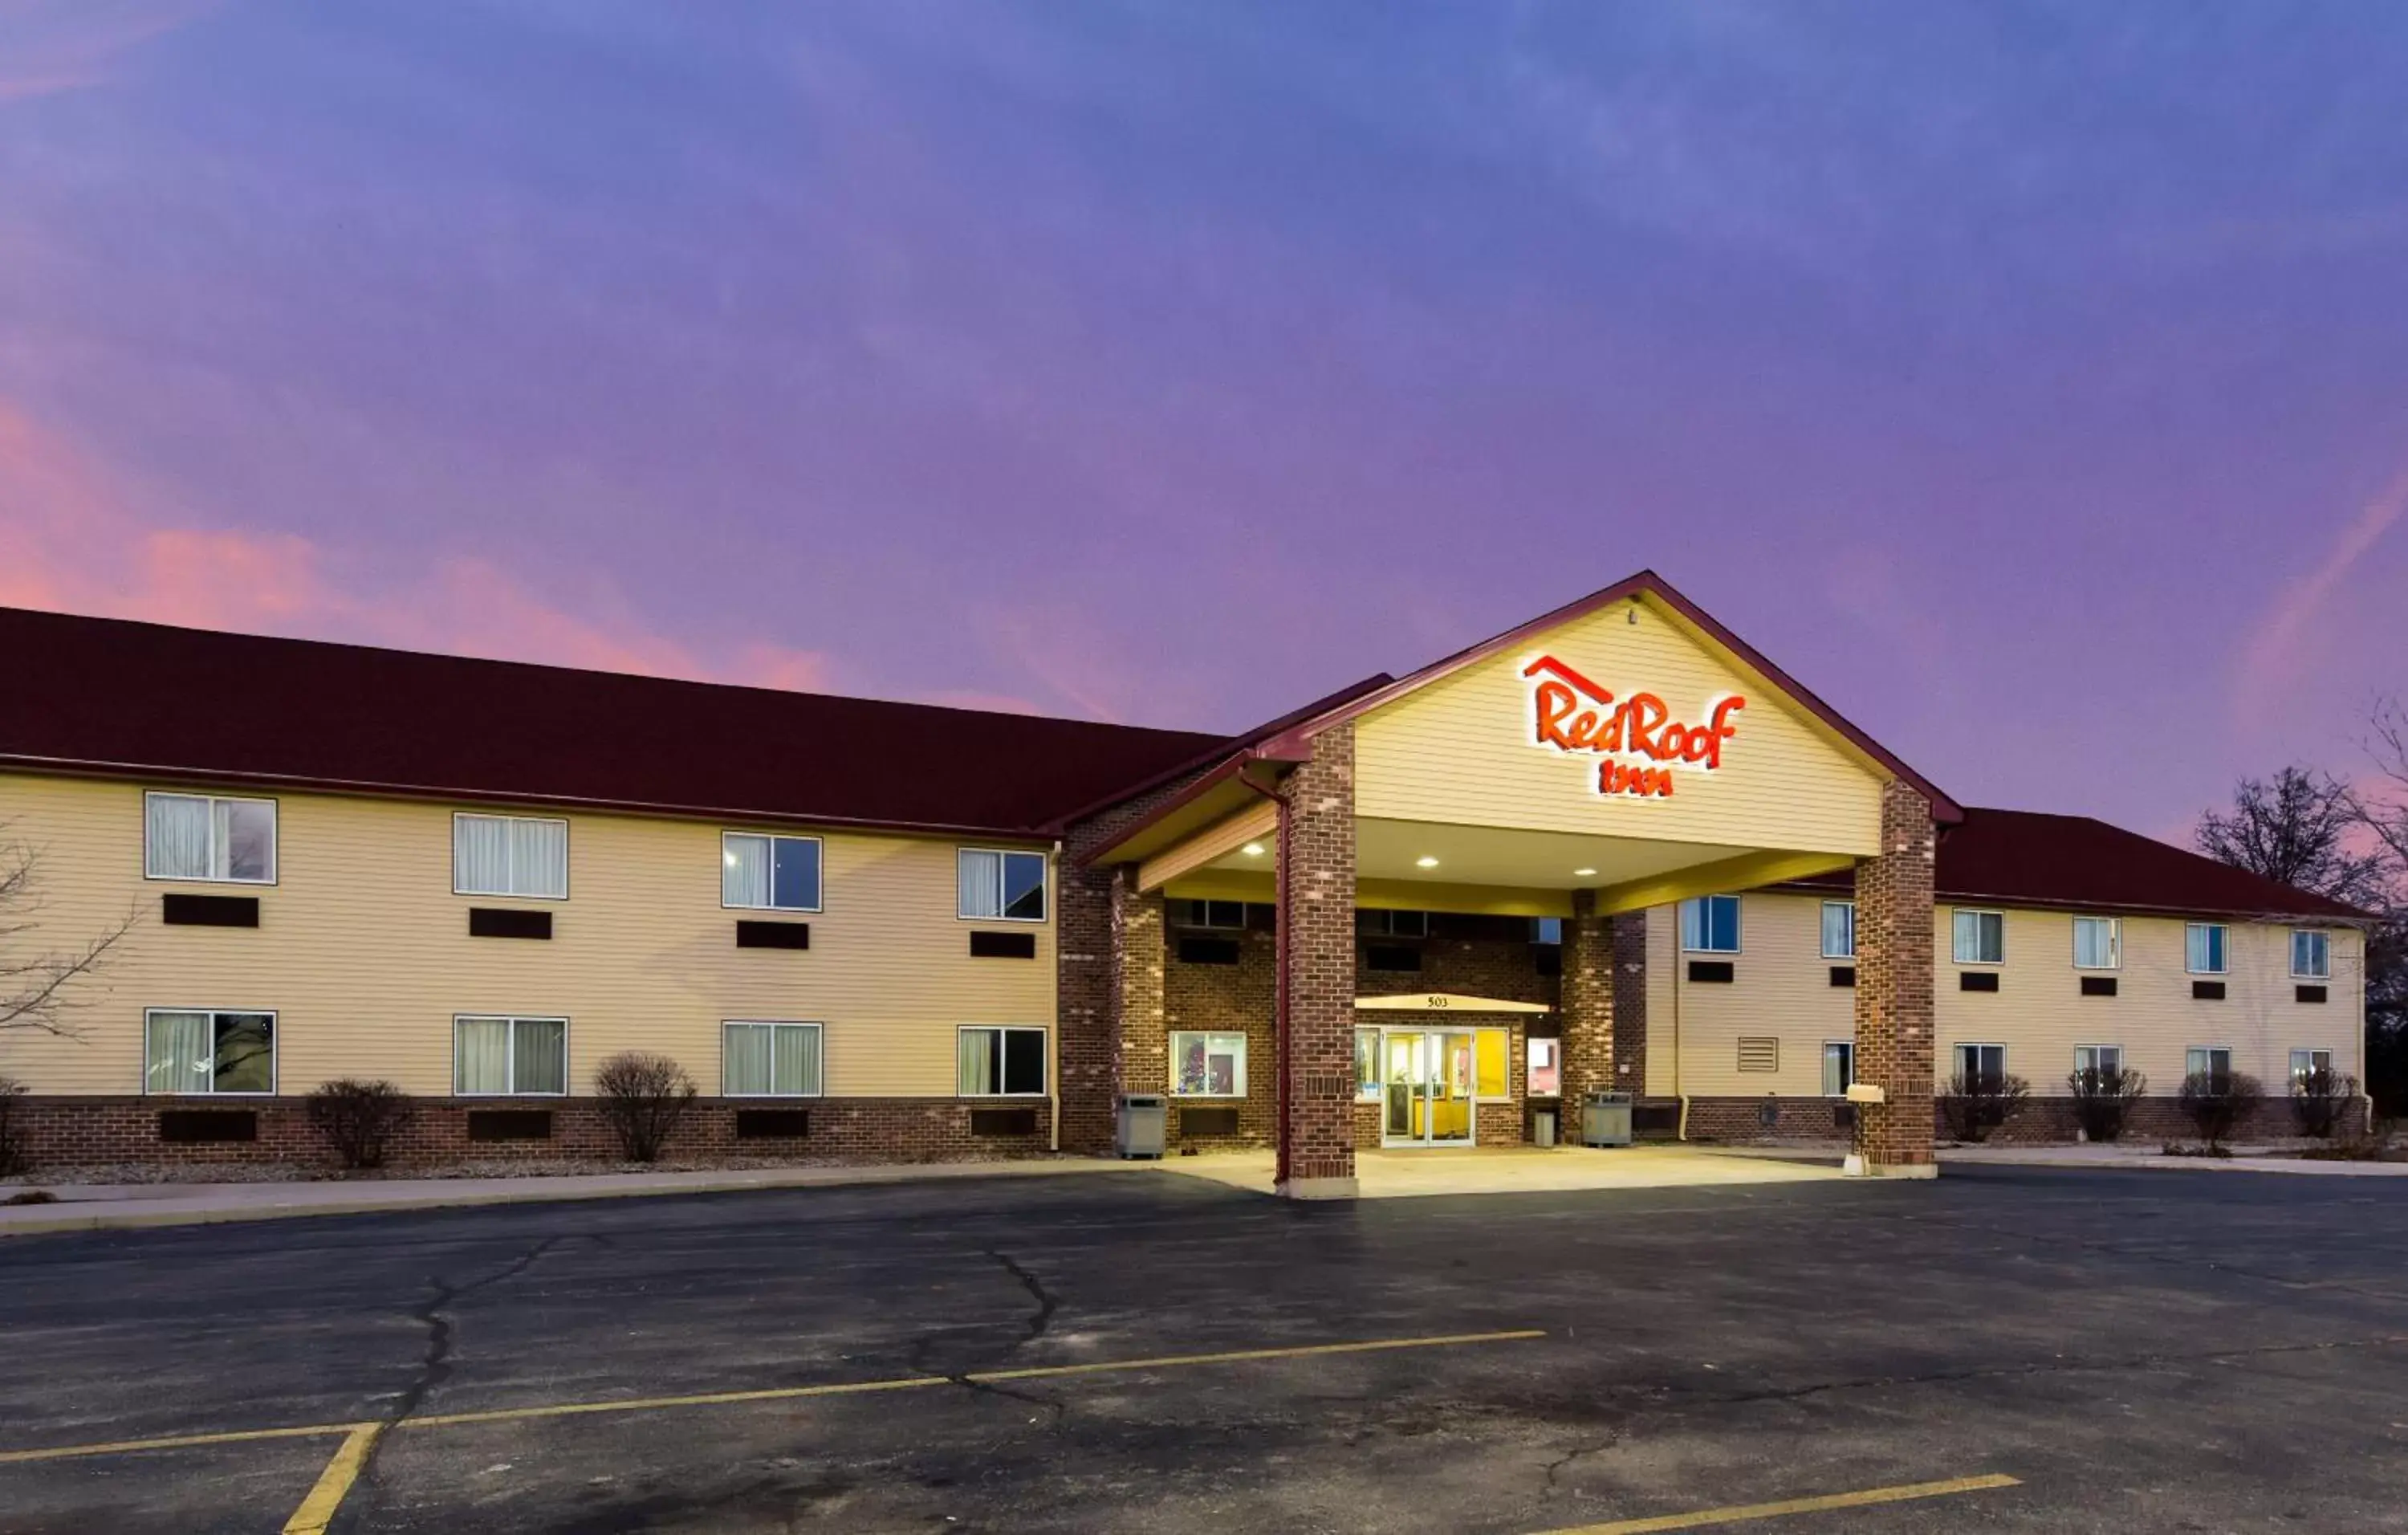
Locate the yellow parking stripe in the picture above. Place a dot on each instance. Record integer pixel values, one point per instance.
(317, 1510)
(1703, 1518)
(181, 1442)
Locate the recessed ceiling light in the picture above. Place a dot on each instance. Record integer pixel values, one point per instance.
(1252, 849)
(1583, 873)
(1425, 861)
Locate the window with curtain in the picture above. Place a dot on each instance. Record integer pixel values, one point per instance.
(764, 874)
(1981, 937)
(2304, 1062)
(510, 1057)
(206, 836)
(1839, 930)
(769, 1060)
(1000, 1062)
(1985, 1063)
(2311, 956)
(2211, 1061)
(2203, 947)
(509, 856)
(2094, 1061)
(1207, 1065)
(997, 885)
(2098, 944)
(197, 1051)
(1839, 1067)
(1709, 925)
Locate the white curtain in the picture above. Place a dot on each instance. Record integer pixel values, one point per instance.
(177, 835)
(540, 859)
(1835, 1070)
(1839, 930)
(481, 1055)
(182, 1054)
(798, 1060)
(744, 872)
(2199, 949)
(538, 1055)
(481, 854)
(977, 1076)
(747, 1056)
(981, 877)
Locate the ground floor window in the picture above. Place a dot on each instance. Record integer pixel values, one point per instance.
(204, 1052)
(2211, 1061)
(2094, 1063)
(510, 1057)
(2304, 1062)
(769, 1060)
(1546, 1068)
(1207, 1065)
(1982, 1063)
(1367, 1063)
(1000, 1063)
(1839, 1067)
(1492, 1055)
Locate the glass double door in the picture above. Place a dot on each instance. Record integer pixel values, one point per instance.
(1426, 1082)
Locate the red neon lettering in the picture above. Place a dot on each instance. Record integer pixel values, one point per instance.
(1640, 724)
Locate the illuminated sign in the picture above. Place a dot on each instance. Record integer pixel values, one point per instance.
(1640, 744)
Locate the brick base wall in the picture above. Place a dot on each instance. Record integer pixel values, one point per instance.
(2042, 1121)
(89, 1131)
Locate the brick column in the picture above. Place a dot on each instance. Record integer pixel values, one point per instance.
(1085, 1040)
(1586, 1008)
(1144, 1064)
(1317, 928)
(1894, 969)
(1631, 1001)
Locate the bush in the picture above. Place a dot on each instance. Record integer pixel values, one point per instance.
(2216, 1103)
(1976, 1105)
(13, 1159)
(643, 1098)
(2102, 1100)
(2318, 1098)
(359, 1119)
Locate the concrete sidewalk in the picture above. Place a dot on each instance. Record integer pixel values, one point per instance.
(2137, 1155)
(101, 1206)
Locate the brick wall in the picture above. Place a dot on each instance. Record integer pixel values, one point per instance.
(1588, 998)
(1630, 1000)
(1893, 994)
(1317, 842)
(2042, 1121)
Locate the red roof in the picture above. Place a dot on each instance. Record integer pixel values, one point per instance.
(145, 699)
(2028, 858)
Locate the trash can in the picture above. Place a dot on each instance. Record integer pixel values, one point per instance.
(1542, 1127)
(1605, 1119)
(1141, 1130)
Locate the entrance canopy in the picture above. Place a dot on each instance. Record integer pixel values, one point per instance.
(1443, 1002)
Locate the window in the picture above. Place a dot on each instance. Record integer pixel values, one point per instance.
(510, 1057)
(2098, 944)
(1982, 1063)
(1381, 923)
(202, 1051)
(1492, 1054)
(1546, 930)
(1709, 925)
(995, 886)
(1981, 937)
(1838, 1060)
(769, 1060)
(2203, 948)
(1190, 914)
(760, 873)
(1000, 1063)
(1546, 1068)
(2306, 1061)
(2094, 1062)
(2311, 956)
(2212, 1061)
(1839, 930)
(509, 856)
(1207, 1065)
(202, 837)
(1367, 1063)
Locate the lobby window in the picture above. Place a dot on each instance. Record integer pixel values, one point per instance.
(1195, 914)
(1982, 1063)
(758, 872)
(1839, 930)
(510, 1057)
(993, 885)
(1839, 1067)
(2098, 944)
(2203, 947)
(1367, 1063)
(1207, 1065)
(1492, 1055)
(1379, 922)
(2311, 955)
(2305, 1061)
(509, 856)
(204, 836)
(769, 1060)
(1709, 925)
(191, 1052)
(1980, 937)
(1000, 1063)
(2213, 1062)
(1546, 1068)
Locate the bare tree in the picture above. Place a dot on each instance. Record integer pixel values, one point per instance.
(2297, 830)
(2382, 806)
(41, 988)
(2383, 812)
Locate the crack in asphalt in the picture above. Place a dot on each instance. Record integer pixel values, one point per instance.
(1042, 1318)
(1555, 1469)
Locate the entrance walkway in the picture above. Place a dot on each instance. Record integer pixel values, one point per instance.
(1518, 1170)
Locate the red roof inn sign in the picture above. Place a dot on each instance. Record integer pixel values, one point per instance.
(1640, 744)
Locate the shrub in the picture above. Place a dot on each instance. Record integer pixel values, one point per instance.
(2215, 1102)
(643, 1098)
(13, 1159)
(2319, 1097)
(1975, 1104)
(359, 1119)
(2102, 1100)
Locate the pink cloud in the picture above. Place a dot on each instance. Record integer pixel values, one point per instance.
(2275, 650)
(51, 46)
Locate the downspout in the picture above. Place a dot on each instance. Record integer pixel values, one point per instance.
(1683, 1133)
(1054, 1056)
(1279, 953)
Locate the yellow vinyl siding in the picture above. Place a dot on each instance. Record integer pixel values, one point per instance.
(364, 953)
(1461, 751)
(1782, 988)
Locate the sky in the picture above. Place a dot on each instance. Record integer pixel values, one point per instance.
(2029, 379)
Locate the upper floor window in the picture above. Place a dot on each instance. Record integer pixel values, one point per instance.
(758, 872)
(1546, 930)
(1981, 937)
(1380, 922)
(509, 856)
(2098, 944)
(206, 836)
(1709, 925)
(998, 887)
(2203, 947)
(2311, 956)
(1839, 930)
(1193, 914)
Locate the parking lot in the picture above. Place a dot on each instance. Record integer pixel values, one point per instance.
(2002, 1349)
